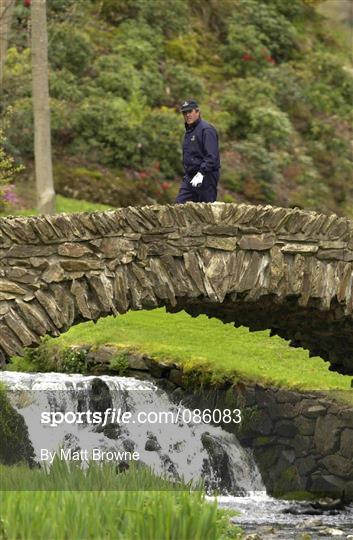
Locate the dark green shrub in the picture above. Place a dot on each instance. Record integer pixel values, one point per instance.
(240, 98)
(120, 363)
(64, 85)
(116, 75)
(138, 44)
(165, 17)
(257, 36)
(181, 84)
(74, 361)
(281, 35)
(162, 133)
(15, 444)
(69, 48)
(20, 130)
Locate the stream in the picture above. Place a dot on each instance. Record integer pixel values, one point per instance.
(66, 416)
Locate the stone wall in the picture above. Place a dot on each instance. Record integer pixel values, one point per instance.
(301, 441)
(263, 267)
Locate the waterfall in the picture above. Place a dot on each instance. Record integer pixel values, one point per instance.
(181, 448)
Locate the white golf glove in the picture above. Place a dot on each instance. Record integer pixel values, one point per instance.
(197, 180)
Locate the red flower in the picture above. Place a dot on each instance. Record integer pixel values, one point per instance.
(27, 3)
(165, 185)
(270, 59)
(247, 57)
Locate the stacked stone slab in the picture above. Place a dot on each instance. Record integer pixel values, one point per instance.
(259, 266)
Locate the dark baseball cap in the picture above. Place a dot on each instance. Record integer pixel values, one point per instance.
(189, 105)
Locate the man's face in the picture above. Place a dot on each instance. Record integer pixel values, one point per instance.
(191, 116)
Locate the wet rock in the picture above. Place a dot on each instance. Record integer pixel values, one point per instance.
(315, 411)
(137, 362)
(346, 443)
(99, 397)
(152, 445)
(169, 466)
(327, 483)
(122, 467)
(338, 465)
(176, 376)
(285, 428)
(219, 461)
(327, 432)
(332, 532)
(305, 426)
(129, 445)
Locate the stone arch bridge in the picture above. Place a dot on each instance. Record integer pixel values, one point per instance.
(263, 267)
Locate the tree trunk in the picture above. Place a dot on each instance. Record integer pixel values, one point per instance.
(6, 13)
(41, 109)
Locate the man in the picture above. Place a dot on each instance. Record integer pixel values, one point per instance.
(200, 157)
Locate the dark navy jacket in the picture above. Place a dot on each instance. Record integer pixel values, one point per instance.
(200, 149)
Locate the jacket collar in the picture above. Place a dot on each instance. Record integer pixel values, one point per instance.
(192, 126)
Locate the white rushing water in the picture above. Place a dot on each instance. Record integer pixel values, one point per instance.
(178, 449)
(276, 519)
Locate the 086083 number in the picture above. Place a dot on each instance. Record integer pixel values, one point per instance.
(208, 416)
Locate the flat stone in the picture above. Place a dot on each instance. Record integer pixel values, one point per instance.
(334, 254)
(137, 362)
(102, 355)
(305, 426)
(346, 417)
(71, 249)
(346, 448)
(53, 273)
(259, 242)
(111, 246)
(223, 230)
(285, 428)
(21, 275)
(299, 248)
(77, 265)
(303, 444)
(338, 465)
(315, 411)
(39, 262)
(216, 242)
(329, 484)
(286, 396)
(327, 430)
(348, 256)
(26, 251)
(10, 287)
(332, 244)
(176, 376)
(306, 465)
(283, 410)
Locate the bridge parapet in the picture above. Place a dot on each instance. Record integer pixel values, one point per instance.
(259, 266)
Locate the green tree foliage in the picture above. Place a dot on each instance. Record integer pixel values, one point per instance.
(268, 73)
(70, 48)
(8, 168)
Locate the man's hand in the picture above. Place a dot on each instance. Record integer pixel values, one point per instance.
(197, 180)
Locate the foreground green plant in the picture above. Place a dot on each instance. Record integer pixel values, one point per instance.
(168, 512)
